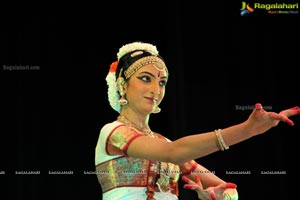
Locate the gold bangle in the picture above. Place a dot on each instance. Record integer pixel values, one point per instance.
(221, 139)
(220, 145)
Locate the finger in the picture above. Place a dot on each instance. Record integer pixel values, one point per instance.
(198, 179)
(190, 186)
(288, 121)
(213, 196)
(295, 108)
(228, 185)
(258, 106)
(191, 182)
(231, 185)
(282, 118)
(291, 111)
(186, 179)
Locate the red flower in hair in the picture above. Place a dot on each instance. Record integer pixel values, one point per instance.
(113, 66)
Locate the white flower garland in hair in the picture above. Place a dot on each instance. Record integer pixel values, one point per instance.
(113, 95)
(137, 46)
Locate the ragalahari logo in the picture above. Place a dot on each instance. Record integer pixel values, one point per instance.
(246, 9)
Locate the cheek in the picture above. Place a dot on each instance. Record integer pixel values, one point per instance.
(135, 93)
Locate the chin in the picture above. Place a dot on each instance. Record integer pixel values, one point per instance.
(147, 111)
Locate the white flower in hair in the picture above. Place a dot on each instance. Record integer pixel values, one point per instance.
(113, 95)
(137, 46)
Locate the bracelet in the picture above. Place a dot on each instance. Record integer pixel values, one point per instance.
(221, 141)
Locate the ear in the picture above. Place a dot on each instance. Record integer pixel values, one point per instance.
(125, 86)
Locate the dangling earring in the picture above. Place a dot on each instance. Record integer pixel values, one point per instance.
(120, 86)
(156, 110)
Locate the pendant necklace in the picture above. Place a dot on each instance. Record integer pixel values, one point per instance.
(147, 131)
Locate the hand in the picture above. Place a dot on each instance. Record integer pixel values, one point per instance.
(210, 193)
(260, 120)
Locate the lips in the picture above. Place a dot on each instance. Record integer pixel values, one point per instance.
(154, 100)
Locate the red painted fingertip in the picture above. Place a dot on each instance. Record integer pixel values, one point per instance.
(231, 185)
(185, 179)
(213, 196)
(258, 106)
(187, 186)
(291, 123)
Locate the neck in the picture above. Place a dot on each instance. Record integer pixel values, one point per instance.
(140, 121)
(138, 125)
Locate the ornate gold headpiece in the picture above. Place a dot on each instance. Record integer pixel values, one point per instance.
(156, 61)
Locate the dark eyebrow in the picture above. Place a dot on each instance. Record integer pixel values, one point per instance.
(150, 74)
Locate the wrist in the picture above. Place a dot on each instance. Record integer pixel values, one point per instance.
(248, 130)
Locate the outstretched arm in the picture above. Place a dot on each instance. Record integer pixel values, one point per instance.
(199, 145)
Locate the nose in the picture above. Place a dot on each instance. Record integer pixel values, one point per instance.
(155, 89)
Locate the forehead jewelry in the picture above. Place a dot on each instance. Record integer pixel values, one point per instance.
(157, 62)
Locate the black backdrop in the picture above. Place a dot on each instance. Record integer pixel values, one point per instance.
(220, 65)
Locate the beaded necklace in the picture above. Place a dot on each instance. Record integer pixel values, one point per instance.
(146, 130)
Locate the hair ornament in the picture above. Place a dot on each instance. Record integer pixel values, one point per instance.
(125, 49)
(113, 66)
(113, 95)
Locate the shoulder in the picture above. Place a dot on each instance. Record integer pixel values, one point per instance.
(109, 127)
(112, 126)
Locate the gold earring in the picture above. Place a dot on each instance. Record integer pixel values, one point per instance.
(156, 110)
(120, 85)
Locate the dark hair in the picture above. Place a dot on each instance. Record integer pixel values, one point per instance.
(128, 60)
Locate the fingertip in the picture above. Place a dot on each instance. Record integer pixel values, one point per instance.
(258, 106)
(231, 185)
(289, 122)
(213, 196)
(185, 179)
(185, 186)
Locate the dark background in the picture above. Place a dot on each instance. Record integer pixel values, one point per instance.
(218, 61)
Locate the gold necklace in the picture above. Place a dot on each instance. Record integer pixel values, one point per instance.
(127, 122)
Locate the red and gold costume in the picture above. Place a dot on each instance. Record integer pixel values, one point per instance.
(116, 171)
